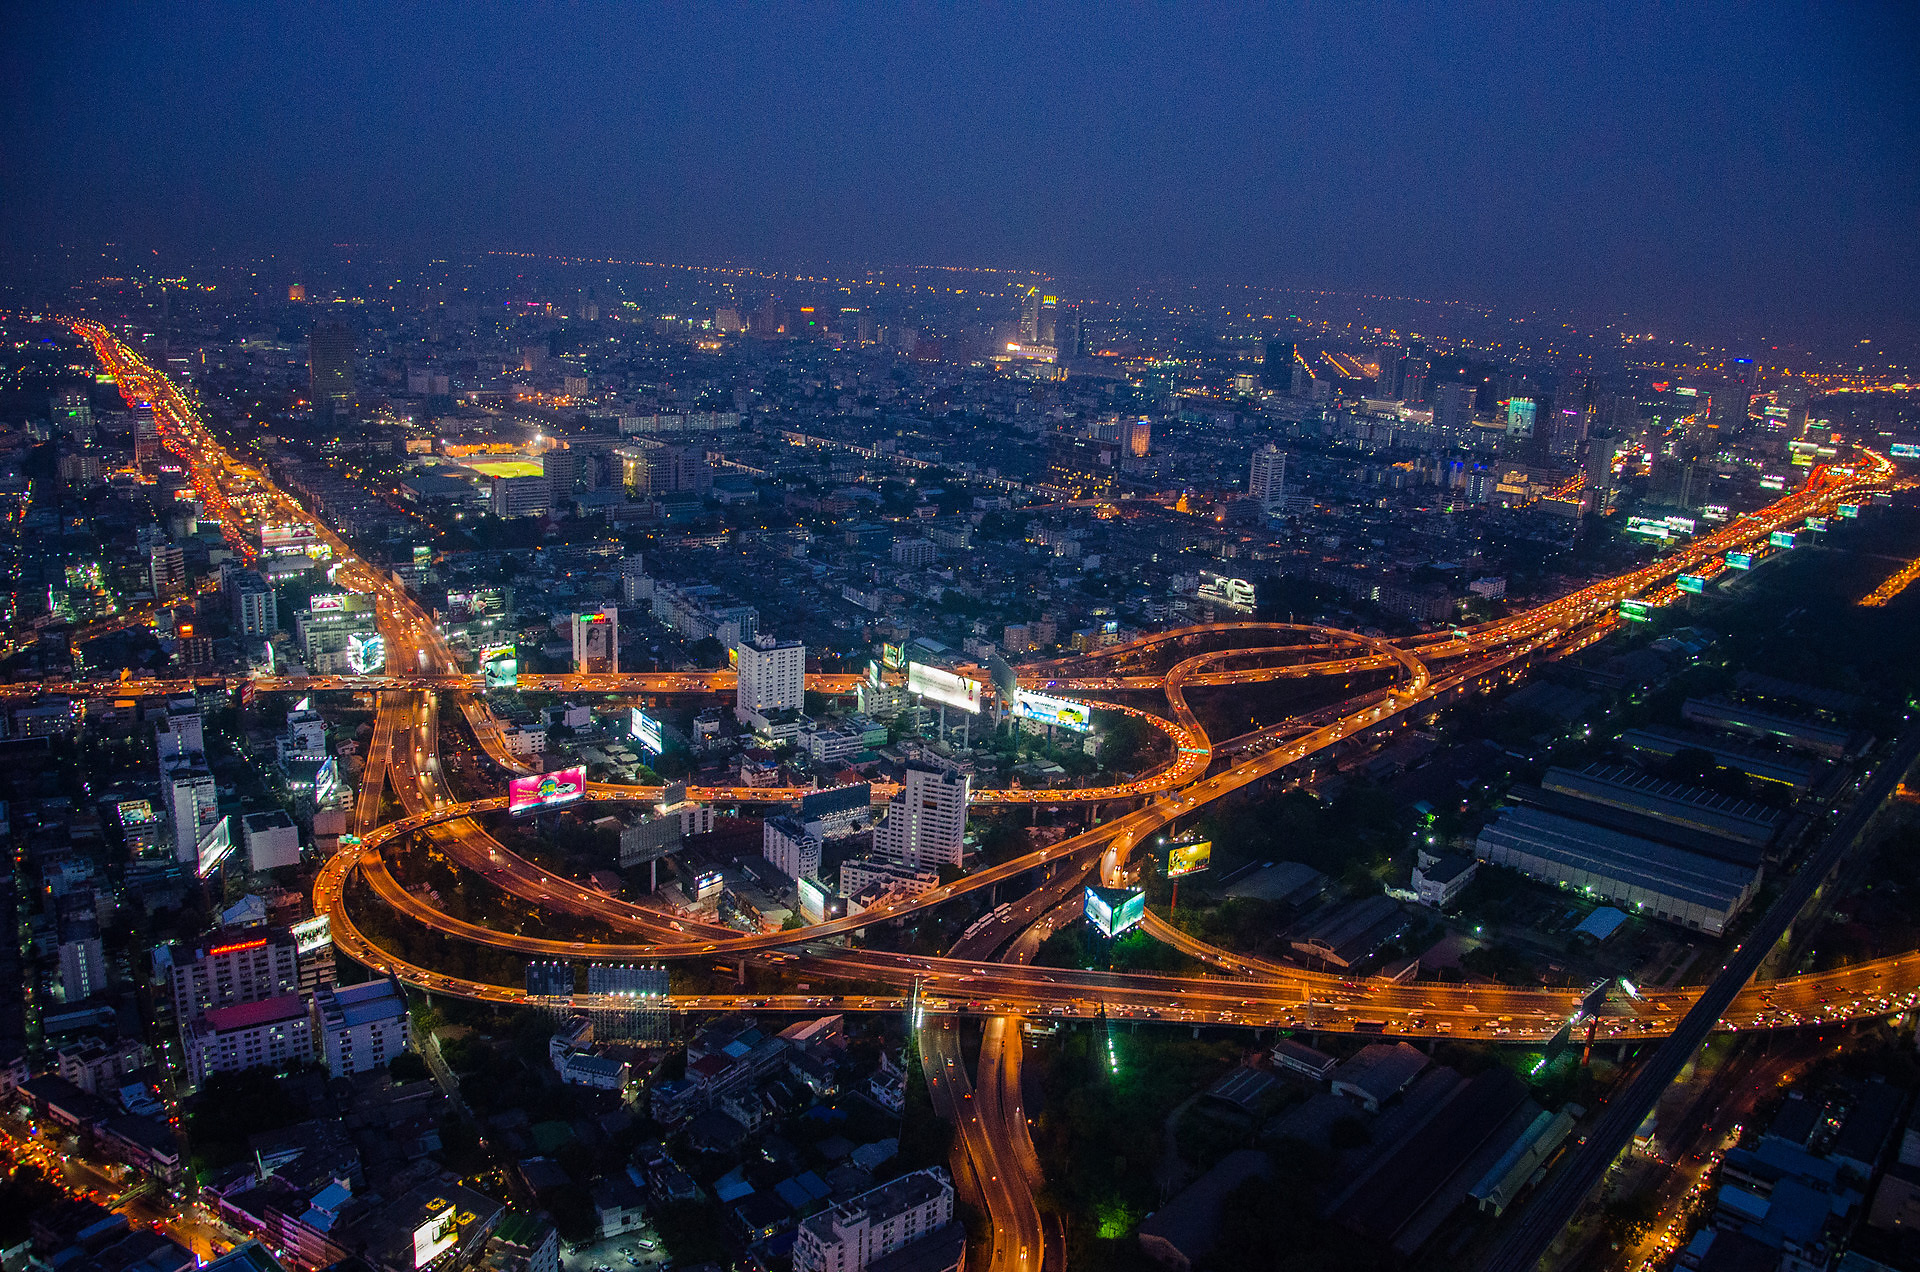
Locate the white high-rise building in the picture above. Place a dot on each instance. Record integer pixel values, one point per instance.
(361, 1027)
(790, 847)
(179, 740)
(195, 807)
(1267, 482)
(773, 676)
(899, 1213)
(926, 823)
(596, 641)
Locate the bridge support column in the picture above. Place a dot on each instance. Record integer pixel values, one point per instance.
(740, 973)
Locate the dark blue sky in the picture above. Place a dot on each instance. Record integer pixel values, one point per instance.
(1691, 163)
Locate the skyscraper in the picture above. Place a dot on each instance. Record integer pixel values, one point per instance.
(1453, 410)
(1276, 365)
(1393, 370)
(330, 368)
(1030, 316)
(1068, 336)
(773, 675)
(73, 415)
(1268, 480)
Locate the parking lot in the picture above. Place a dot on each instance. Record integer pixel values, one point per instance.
(612, 1254)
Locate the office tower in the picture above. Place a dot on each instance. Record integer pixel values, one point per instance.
(1139, 437)
(1520, 417)
(1393, 370)
(1453, 410)
(773, 676)
(1081, 466)
(1030, 316)
(1046, 329)
(73, 415)
(1599, 470)
(596, 642)
(1069, 338)
(1268, 480)
(229, 967)
(524, 496)
(1276, 365)
(330, 368)
(560, 466)
(146, 435)
(926, 821)
(166, 569)
(83, 962)
(1413, 385)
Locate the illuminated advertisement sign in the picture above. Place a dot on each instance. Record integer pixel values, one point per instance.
(238, 947)
(215, 846)
(1636, 611)
(1816, 523)
(1716, 512)
(434, 1238)
(944, 687)
(330, 601)
(1904, 450)
(1692, 584)
(1649, 528)
(544, 790)
(499, 666)
(1739, 560)
(892, 658)
(312, 934)
(646, 731)
(706, 884)
(366, 652)
(1186, 859)
(1114, 910)
(1773, 483)
(1042, 709)
(1781, 539)
(813, 901)
(1848, 511)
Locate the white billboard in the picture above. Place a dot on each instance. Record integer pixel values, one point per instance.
(937, 685)
(434, 1238)
(1044, 709)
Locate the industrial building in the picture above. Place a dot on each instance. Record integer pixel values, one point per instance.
(1786, 770)
(1652, 878)
(1690, 808)
(1802, 735)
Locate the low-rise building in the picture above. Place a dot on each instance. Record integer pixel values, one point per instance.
(855, 1234)
(269, 1033)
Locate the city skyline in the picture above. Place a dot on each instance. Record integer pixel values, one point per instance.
(1743, 178)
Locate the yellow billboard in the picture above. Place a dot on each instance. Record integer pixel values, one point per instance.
(1186, 859)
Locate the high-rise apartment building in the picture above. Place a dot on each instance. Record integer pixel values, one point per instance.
(926, 822)
(773, 676)
(1268, 480)
(524, 496)
(1392, 360)
(361, 1027)
(596, 641)
(330, 369)
(146, 435)
(166, 569)
(257, 1035)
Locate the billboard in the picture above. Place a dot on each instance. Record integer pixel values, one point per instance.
(646, 731)
(1816, 523)
(331, 601)
(216, 845)
(1848, 511)
(892, 658)
(1781, 538)
(1114, 910)
(1190, 858)
(544, 790)
(1904, 450)
(1692, 584)
(1636, 611)
(944, 687)
(1739, 560)
(1042, 709)
(312, 934)
(500, 666)
(366, 652)
(434, 1238)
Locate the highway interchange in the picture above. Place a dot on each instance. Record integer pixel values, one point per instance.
(987, 974)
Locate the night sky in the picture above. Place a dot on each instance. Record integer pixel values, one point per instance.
(1701, 164)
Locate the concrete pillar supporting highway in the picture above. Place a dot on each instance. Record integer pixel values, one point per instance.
(1196, 1031)
(740, 965)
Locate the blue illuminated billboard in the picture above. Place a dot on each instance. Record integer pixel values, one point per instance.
(1692, 584)
(1848, 511)
(1739, 560)
(1904, 450)
(1044, 709)
(646, 731)
(1781, 538)
(1114, 910)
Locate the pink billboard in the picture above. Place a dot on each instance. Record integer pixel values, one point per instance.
(543, 790)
